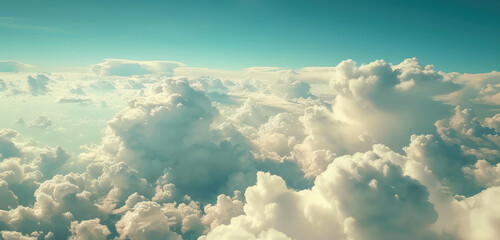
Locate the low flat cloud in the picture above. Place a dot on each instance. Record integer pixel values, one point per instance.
(122, 67)
(13, 66)
(75, 100)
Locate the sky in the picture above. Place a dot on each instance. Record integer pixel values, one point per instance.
(455, 36)
(251, 120)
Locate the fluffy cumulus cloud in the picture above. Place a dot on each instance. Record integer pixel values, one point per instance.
(363, 196)
(479, 89)
(90, 229)
(370, 151)
(145, 221)
(374, 99)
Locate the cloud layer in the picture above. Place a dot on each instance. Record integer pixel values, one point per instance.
(373, 151)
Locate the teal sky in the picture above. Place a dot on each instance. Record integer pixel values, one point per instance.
(460, 36)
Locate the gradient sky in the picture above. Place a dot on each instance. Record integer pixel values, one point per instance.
(460, 36)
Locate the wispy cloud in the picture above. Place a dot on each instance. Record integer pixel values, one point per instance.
(20, 23)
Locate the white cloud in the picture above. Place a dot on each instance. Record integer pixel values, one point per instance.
(13, 66)
(465, 130)
(75, 99)
(223, 211)
(480, 89)
(12, 235)
(89, 230)
(122, 67)
(42, 122)
(340, 205)
(371, 102)
(493, 122)
(146, 221)
(38, 84)
(484, 173)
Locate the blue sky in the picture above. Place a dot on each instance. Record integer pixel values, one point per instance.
(460, 36)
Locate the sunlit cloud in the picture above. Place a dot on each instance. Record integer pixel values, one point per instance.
(159, 150)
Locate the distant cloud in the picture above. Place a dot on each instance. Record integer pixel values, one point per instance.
(38, 84)
(20, 23)
(479, 89)
(20, 121)
(90, 229)
(122, 67)
(3, 86)
(42, 122)
(13, 66)
(77, 91)
(75, 99)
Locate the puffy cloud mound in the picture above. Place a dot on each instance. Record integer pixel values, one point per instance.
(222, 212)
(168, 131)
(480, 89)
(11, 235)
(357, 197)
(146, 221)
(371, 151)
(169, 128)
(375, 98)
(88, 230)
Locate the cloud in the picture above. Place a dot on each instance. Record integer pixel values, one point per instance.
(223, 211)
(42, 122)
(13, 66)
(357, 197)
(19, 23)
(12, 235)
(75, 99)
(122, 67)
(8, 199)
(146, 221)
(77, 91)
(169, 127)
(465, 130)
(480, 89)
(493, 122)
(369, 151)
(371, 102)
(3, 86)
(484, 173)
(38, 85)
(90, 229)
